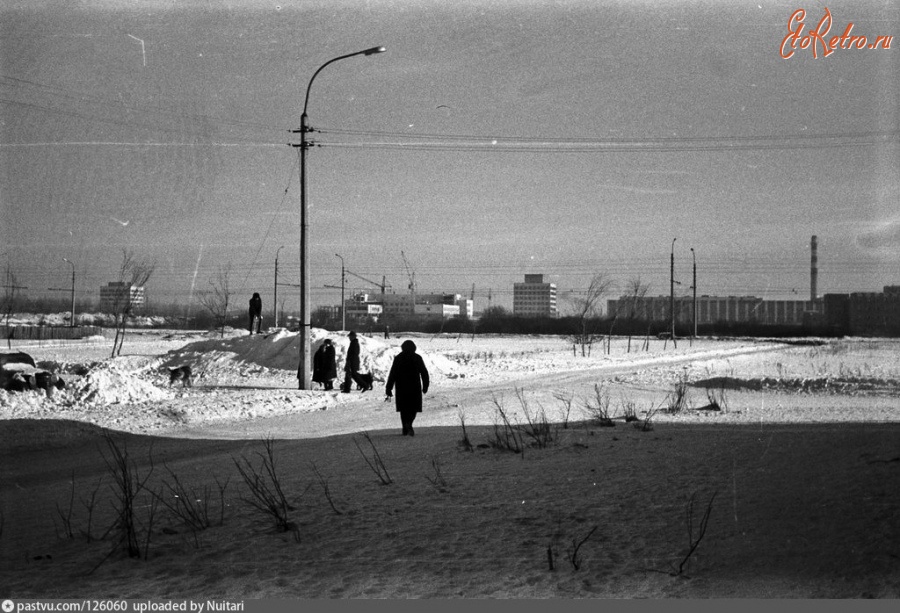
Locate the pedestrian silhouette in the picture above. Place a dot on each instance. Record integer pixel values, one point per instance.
(255, 313)
(409, 375)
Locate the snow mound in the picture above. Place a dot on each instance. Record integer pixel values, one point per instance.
(109, 384)
(247, 355)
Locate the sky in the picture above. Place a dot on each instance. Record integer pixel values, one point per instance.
(492, 139)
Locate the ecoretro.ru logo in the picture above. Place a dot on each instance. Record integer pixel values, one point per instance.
(818, 41)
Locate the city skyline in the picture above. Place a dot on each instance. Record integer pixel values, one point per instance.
(490, 141)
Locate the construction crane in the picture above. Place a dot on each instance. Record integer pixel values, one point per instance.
(412, 278)
(381, 285)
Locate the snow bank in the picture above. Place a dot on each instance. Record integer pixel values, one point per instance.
(250, 354)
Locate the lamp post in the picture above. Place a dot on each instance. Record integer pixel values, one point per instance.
(275, 292)
(694, 285)
(343, 317)
(72, 320)
(672, 291)
(304, 371)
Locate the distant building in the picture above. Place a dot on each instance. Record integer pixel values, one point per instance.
(399, 306)
(715, 309)
(360, 307)
(534, 298)
(118, 296)
(865, 313)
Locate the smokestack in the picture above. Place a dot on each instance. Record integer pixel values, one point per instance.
(813, 267)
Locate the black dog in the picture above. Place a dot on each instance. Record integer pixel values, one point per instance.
(367, 379)
(182, 373)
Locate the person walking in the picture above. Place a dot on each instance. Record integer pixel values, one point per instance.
(255, 313)
(324, 365)
(410, 376)
(351, 367)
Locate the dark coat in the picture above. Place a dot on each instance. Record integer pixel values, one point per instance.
(324, 364)
(255, 305)
(409, 374)
(352, 363)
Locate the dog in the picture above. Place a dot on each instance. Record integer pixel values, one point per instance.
(183, 374)
(367, 379)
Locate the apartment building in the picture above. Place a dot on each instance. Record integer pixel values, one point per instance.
(534, 298)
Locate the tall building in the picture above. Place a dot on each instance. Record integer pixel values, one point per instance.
(534, 298)
(122, 297)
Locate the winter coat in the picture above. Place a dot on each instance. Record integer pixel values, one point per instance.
(255, 305)
(409, 374)
(352, 363)
(324, 364)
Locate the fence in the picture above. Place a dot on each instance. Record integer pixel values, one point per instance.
(47, 333)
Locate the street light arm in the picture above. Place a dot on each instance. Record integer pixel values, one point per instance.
(371, 51)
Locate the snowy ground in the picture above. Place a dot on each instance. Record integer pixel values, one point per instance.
(241, 379)
(799, 469)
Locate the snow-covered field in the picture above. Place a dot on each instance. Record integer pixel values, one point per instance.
(240, 378)
(799, 468)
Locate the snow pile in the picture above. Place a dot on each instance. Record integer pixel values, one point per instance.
(107, 383)
(246, 355)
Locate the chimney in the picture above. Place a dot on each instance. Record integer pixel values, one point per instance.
(813, 267)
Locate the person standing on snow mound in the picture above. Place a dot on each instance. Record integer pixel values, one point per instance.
(255, 313)
(351, 367)
(409, 374)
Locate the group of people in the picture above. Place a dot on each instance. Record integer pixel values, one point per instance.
(325, 366)
(408, 374)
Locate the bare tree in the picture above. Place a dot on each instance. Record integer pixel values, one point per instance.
(588, 307)
(217, 299)
(133, 274)
(8, 302)
(636, 292)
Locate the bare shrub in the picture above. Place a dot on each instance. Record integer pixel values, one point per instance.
(438, 480)
(266, 493)
(566, 400)
(191, 506)
(127, 485)
(599, 410)
(376, 463)
(66, 516)
(464, 442)
(576, 545)
(629, 411)
(506, 434)
(646, 424)
(536, 427)
(677, 400)
(327, 490)
(694, 542)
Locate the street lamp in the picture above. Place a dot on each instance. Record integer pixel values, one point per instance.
(72, 320)
(303, 372)
(343, 317)
(672, 291)
(694, 257)
(275, 299)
